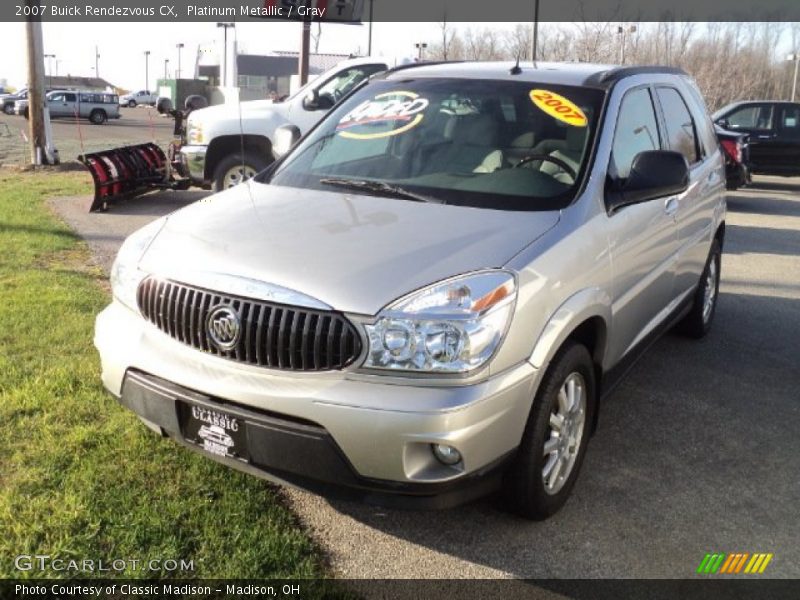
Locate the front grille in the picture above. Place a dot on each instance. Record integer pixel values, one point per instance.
(272, 335)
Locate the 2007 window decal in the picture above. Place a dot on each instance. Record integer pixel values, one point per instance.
(559, 107)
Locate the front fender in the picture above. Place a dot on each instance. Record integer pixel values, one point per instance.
(590, 303)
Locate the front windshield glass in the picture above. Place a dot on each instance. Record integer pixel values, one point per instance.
(508, 145)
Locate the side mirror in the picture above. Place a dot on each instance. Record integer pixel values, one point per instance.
(286, 137)
(724, 123)
(654, 174)
(311, 101)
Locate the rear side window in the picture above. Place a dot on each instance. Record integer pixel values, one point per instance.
(679, 124)
(706, 134)
(790, 121)
(637, 131)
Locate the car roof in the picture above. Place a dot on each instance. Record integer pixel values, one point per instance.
(558, 73)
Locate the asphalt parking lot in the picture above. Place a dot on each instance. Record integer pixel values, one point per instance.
(696, 452)
(71, 137)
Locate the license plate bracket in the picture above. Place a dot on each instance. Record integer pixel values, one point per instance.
(215, 431)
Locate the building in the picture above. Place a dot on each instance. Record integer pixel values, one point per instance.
(74, 82)
(260, 76)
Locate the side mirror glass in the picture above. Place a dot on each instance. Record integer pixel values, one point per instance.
(724, 123)
(654, 174)
(286, 137)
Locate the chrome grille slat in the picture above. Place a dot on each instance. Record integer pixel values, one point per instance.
(272, 335)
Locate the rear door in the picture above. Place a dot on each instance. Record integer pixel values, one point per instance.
(690, 132)
(787, 139)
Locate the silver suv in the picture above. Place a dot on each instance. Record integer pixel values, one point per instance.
(430, 295)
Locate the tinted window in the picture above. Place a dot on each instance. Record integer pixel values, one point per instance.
(679, 124)
(69, 97)
(751, 117)
(790, 121)
(706, 134)
(636, 131)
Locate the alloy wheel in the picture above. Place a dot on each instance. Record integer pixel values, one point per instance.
(565, 433)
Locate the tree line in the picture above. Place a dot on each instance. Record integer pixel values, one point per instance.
(729, 61)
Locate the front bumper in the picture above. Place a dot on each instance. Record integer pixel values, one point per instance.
(193, 159)
(336, 433)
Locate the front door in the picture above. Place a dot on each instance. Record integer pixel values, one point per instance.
(642, 237)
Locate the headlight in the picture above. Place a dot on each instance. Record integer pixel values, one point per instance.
(125, 273)
(194, 133)
(450, 327)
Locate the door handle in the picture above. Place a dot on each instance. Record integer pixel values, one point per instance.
(671, 206)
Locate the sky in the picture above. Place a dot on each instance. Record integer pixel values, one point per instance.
(122, 45)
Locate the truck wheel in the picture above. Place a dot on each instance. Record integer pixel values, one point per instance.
(236, 168)
(546, 467)
(98, 117)
(8, 109)
(131, 103)
(697, 323)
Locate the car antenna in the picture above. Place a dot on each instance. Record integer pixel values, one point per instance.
(516, 70)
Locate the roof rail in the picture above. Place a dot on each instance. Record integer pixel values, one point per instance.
(411, 65)
(611, 76)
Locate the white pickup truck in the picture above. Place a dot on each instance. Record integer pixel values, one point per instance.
(140, 97)
(222, 150)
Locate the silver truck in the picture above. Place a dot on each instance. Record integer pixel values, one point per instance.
(98, 107)
(431, 294)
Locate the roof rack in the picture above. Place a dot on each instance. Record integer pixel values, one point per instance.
(611, 76)
(411, 65)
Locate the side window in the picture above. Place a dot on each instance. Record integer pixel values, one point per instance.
(57, 98)
(790, 122)
(757, 116)
(69, 97)
(706, 134)
(679, 124)
(343, 82)
(637, 131)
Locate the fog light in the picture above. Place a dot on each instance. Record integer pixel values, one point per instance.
(446, 455)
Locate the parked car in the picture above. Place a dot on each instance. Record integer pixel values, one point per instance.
(216, 154)
(774, 134)
(98, 107)
(141, 97)
(735, 148)
(429, 295)
(9, 100)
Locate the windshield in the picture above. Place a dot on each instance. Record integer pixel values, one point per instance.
(507, 145)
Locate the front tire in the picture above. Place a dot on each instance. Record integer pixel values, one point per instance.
(697, 323)
(540, 479)
(235, 169)
(8, 109)
(131, 103)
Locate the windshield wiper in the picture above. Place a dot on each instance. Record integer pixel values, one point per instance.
(379, 187)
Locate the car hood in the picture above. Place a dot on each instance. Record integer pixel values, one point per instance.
(250, 109)
(354, 253)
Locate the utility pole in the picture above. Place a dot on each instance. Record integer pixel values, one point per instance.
(36, 127)
(369, 37)
(305, 46)
(166, 65)
(623, 31)
(96, 62)
(796, 58)
(225, 27)
(420, 46)
(178, 73)
(147, 70)
(535, 36)
(49, 72)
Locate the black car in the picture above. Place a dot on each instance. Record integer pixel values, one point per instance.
(736, 149)
(774, 134)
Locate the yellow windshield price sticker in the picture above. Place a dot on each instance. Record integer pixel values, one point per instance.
(559, 108)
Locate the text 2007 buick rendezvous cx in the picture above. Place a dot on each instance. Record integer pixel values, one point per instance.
(429, 295)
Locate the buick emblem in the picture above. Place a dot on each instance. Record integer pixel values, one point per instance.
(224, 327)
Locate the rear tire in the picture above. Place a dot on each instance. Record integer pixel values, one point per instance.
(98, 117)
(697, 323)
(543, 473)
(235, 169)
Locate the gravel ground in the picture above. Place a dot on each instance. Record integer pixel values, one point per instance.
(696, 451)
(71, 138)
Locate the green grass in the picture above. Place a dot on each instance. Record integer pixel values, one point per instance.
(81, 477)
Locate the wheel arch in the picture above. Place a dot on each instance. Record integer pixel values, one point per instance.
(225, 145)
